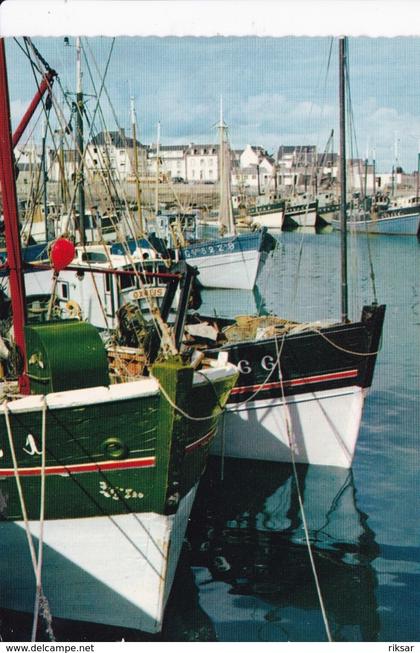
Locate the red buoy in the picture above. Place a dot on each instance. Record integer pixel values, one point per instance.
(62, 253)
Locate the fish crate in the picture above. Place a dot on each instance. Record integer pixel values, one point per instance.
(125, 364)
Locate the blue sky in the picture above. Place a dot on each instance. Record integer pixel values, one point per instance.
(275, 90)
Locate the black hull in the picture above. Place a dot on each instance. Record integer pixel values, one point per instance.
(329, 358)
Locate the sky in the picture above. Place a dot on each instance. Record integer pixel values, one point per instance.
(280, 90)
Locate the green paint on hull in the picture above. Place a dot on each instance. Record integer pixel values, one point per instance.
(147, 432)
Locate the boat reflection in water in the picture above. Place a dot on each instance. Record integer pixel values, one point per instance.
(246, 533)
(218, 303)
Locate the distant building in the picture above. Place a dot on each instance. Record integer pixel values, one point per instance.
(297, 168)
(62, 165)
(172, 161)
(28, 162)
(113, 152)
(202, 163)
(256, 170)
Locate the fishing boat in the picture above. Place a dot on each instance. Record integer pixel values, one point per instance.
(400, 216)
(284, 214)
(232, 260)
(300, 391)
(301, 388)
(268, 213)
(301, 214)
(328, 207)
(98, 468)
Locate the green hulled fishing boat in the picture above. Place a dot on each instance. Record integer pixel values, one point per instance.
(101, 453)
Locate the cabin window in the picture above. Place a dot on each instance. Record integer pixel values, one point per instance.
(108, 283)
(127, 281)
(64, 290)
(94, 257)
(107, 222)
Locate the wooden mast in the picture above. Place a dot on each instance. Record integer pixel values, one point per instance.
(157, 170)
(343, 188)
(11, 220)
(226, 221)
(79, 142)
(136, 169)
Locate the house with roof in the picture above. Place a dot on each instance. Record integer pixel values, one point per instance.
(172, 161)
(113, 152)
(191, 163)
(297, 165)
(202, 163)
(62, 164)
(256, 170)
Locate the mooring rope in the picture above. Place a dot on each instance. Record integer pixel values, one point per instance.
(40, 598)
(343, 349)
(289, 431)
(183, 413)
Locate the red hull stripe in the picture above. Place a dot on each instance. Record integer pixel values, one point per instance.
(84, 467)
(320, 378)
(201, 442)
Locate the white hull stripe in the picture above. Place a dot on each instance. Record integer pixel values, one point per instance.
(320, 378)
(83, 467)
(201, 442)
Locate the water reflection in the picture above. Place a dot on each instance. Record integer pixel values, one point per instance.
(247, 534)
(228, 303)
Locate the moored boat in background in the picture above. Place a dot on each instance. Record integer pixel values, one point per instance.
(232, 260)
(302, 387)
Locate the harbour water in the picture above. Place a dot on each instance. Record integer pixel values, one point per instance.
(245, 574)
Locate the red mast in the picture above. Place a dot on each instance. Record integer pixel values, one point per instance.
(11, 220)
(44, 85)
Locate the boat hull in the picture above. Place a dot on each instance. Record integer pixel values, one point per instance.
(264, 216)
(121, 471)
(230, 262)
(116, 571)
(319, 428)
(301, 215)
(304, 389)
(403, 225)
